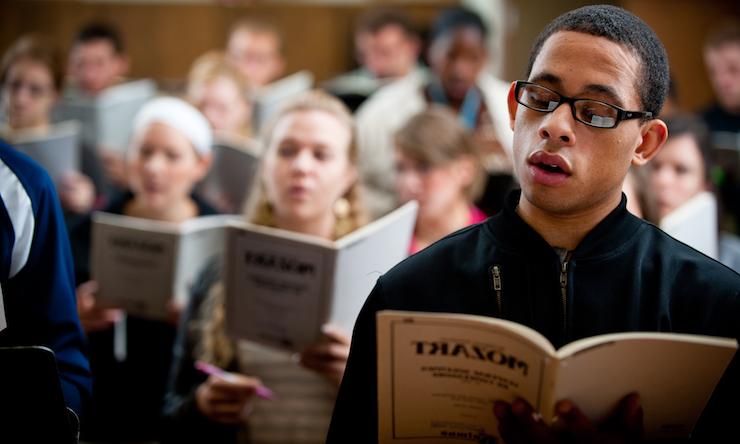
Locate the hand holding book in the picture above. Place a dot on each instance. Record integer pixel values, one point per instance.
(76, 192)
(519, 422)
(92, 316)
(329, 356)
(441, 375)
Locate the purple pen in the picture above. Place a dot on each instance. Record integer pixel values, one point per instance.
(210, 369)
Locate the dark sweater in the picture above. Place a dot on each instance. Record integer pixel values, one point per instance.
(626, 275)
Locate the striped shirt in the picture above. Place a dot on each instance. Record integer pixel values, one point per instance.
(302, 411)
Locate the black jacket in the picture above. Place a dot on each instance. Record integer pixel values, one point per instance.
(626, 275)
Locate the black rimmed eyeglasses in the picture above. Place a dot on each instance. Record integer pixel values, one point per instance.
(591, 112)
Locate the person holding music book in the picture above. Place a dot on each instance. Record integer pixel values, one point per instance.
(223, 94)
(106, 121)
(100, 96)
(130, 355)
(146, 267)
(282, 287)
(308, 186)
(31, 79)
(439, 375)
(564, 257)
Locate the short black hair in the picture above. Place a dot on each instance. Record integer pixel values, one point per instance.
(100, 31)
(626, 29)
(691, 125)
(455, 18)
(376, 19)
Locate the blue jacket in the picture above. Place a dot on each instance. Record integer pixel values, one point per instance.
(37, 274)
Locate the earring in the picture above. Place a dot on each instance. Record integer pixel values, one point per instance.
(341, 208)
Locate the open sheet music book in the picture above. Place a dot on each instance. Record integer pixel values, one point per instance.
(439, 375)
(232, 175)
(143, 265)
(107, 118)
(281, 287)
(271, 97)
(56, 150)
(695, 224)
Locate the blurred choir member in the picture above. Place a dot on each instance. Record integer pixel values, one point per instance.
(169, 153)
(309, 185)
(680, 171)
(221, 92)
(722, 60)
(256, 48)
(31, 79)
(457, 56)
(97, 59)
(387, 48)
(437, 164)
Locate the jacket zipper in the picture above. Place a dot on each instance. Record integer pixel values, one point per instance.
(496, 271)
(564, 291)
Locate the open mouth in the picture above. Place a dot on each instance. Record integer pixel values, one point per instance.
(550, 168)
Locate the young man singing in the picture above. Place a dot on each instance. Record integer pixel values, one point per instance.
(572, 261)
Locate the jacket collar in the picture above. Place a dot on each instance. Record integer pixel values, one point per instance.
(515, 235)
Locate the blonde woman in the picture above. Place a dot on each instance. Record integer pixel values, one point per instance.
(221, 92)
(309, 185)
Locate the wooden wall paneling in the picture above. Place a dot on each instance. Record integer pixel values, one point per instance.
(164, 39)
(683, 25)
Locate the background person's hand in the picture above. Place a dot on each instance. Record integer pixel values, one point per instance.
(519, 423)
(114, 167)
(76, 192)
(174, 311)
(329, 356)
(225, 400)
(93, 317)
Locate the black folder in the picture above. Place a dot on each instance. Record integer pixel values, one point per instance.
(32, 407)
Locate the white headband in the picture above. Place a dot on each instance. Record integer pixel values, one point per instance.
(179, 115)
